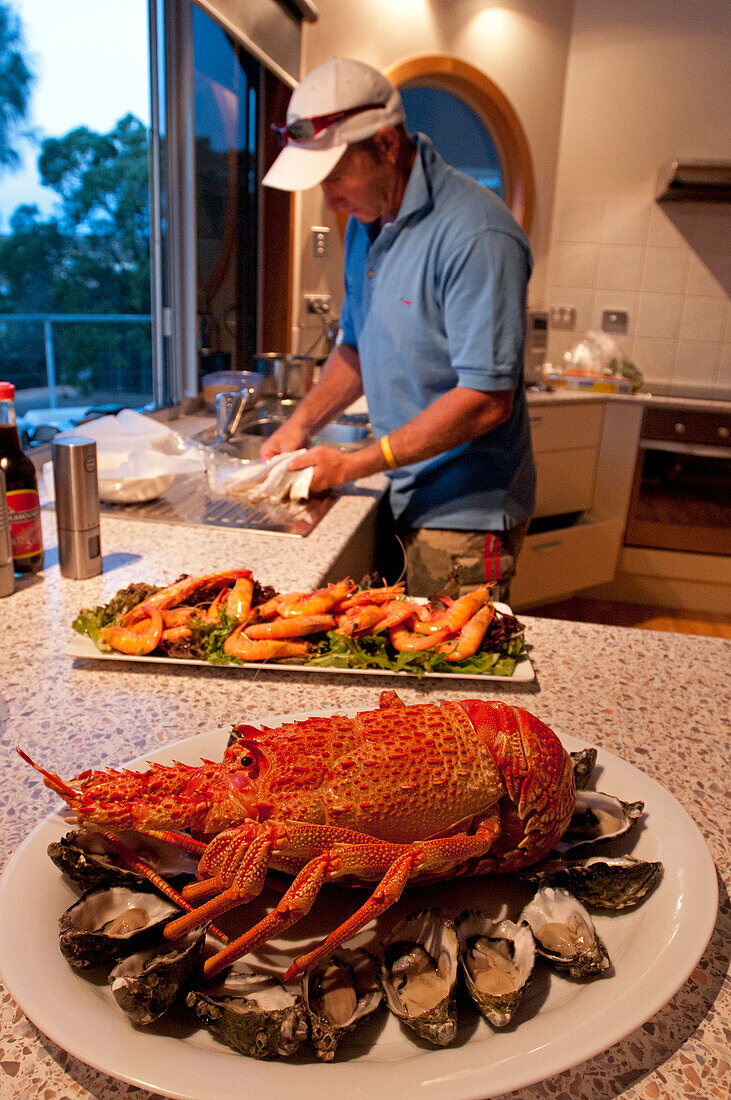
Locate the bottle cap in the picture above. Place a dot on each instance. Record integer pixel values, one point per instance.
(7, 389)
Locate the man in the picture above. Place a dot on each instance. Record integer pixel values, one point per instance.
(432, 331)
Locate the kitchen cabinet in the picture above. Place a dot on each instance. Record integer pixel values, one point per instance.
(585, 451)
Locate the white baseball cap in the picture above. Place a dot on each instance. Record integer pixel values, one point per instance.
(362, 101)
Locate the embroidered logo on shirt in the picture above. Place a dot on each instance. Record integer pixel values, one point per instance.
(407, 302)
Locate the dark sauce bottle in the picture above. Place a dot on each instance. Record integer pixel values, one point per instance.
(22, 489)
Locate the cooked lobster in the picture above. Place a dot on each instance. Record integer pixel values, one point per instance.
(391, 796)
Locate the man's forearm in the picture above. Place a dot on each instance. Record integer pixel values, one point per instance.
(339, 385)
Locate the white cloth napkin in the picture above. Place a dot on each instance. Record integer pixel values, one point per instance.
(270, 480)
(130, 448)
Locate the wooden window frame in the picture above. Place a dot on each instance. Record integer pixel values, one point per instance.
(494, 110)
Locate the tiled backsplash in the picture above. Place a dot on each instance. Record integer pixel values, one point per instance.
(668, 266)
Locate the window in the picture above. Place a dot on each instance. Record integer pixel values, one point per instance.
(472, 124)
(457, 132)
(75, 318)
(136, 246)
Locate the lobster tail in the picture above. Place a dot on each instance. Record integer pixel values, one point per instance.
(538, 777)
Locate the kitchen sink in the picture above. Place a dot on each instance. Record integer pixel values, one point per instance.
(347, 433)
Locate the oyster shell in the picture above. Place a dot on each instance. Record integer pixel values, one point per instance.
(251, 1012)
(597, 817)
(147, 983)
(88, 859)
(418, 975)
(111, 922)
(600, 881)
(339, 991)
(565, 934)
(497, 960)
(584, 763)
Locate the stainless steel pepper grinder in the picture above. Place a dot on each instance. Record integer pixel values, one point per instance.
(7, 578)
(77, 506)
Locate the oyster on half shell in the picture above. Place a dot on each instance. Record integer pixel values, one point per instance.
(147, 983)
(584, 763)
(88, 859)
(600, 881)
(109, 923)
(565, 934)
(251, 1012)
(339, 991)
(418, 975)
(497, 960)
(597, 817)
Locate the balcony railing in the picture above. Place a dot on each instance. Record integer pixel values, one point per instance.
(48, 320)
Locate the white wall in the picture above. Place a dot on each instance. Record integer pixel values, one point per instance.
(521, 46)
(646, 83)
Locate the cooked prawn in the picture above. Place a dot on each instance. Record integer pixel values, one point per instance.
(295, 627)
(356, 620)
(238, 601)
(403, 639)
(372, 595)
(238, 645)
(457, 614)
(182, 590)
(396, 612)
(176, 616)
(213, 612)
(315, 603)
(470, 636)
(136, 642)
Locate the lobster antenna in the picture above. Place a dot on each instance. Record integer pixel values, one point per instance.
(52, 780)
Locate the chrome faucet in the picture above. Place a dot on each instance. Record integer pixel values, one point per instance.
(230, 407)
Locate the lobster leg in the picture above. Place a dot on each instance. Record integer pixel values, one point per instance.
(394, 864)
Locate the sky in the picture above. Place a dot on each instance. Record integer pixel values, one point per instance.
(91, 63)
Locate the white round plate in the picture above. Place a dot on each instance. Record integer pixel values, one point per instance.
(653, 950)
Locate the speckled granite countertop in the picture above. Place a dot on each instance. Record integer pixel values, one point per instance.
(659, 701)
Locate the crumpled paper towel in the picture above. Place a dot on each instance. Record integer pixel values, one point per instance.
(269, 480)
(138, 458)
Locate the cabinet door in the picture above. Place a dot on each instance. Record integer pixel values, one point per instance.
(565, 481)
(558, 563)
(562, 427)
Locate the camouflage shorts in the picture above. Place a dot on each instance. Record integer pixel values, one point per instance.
(457, 561)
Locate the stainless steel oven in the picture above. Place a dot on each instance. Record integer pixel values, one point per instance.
(681, 497)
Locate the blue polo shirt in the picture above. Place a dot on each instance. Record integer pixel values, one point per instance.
(435, 300)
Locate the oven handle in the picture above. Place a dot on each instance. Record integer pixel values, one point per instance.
(699, 450)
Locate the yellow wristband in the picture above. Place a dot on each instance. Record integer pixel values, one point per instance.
(388, 453)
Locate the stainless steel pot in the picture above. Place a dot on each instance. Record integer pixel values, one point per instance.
(287, 376)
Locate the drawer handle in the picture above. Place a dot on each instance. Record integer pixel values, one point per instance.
(548, 545)
(535, 419)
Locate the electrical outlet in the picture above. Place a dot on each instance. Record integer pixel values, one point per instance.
(320, 241)
(317, 303)
(615, 320)
(563, 317)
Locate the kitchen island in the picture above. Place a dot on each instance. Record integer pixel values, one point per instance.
(658, 701)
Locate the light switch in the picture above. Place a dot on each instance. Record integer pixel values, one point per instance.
(320, 241)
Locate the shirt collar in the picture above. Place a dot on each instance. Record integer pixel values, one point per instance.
(417, 196)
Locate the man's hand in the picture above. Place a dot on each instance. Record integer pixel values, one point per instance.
(330, 467)
(289, 437)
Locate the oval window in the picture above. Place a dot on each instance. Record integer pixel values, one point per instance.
(456, 131)
(472, 124)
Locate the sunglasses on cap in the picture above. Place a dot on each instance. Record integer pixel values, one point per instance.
(302, 129)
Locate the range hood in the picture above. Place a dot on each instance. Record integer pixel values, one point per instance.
(695, 181)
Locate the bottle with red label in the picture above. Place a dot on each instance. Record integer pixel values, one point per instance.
(21, 488)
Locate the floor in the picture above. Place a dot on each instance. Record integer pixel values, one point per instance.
(642, 616)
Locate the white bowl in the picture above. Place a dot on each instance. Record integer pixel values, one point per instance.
(134, 490)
